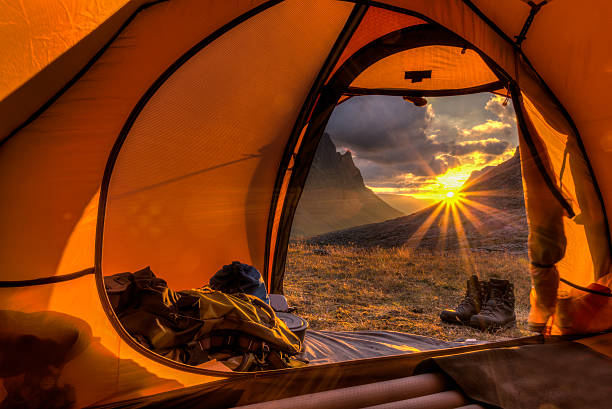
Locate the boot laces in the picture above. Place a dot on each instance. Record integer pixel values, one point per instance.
(466, 304)
(492, 306)
(495, 303)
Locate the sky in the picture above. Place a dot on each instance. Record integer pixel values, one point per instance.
(424, 152)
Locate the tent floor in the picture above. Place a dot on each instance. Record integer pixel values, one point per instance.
(534, 372)
(388, 358)
(324, 347)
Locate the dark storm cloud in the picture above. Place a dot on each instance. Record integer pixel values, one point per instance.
(388, 132)
(390, 137)
(442, 163)
(378, 125)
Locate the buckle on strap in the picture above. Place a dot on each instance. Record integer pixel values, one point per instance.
(249, 344)
(249, 347)
(204, 343)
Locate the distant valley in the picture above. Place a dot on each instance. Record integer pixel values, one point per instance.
(488, 216)
(405, 204)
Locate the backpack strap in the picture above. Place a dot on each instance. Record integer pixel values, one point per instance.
(232, 341)
(255, 351)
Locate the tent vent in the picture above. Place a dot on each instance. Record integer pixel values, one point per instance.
(417, 76)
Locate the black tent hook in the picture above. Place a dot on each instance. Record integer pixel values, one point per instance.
(534, 10)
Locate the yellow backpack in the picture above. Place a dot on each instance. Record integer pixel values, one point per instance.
(197, 325)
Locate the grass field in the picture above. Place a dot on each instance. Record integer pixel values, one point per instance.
(347, 288)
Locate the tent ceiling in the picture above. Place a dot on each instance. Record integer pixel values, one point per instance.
(53, 168)
(35, 33)
(45, 43)
(375, 23)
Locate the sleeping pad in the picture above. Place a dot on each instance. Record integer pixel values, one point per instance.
(197, 325)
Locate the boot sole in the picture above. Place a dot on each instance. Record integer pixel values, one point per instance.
(456, 322)
(494, 327)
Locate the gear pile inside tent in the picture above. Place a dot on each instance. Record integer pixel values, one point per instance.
(178, 134)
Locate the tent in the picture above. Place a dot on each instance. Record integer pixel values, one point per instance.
(178, 134)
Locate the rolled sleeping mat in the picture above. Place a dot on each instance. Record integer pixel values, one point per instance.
(442, 400)
(361, 396)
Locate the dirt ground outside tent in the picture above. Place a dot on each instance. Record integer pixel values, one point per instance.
(347, 288)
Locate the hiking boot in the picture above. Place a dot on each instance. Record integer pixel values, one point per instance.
(469, 306)
(498, 311)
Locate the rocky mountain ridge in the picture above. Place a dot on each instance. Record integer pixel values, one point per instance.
(335, 196)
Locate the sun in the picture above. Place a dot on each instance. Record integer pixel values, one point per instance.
(450, 197)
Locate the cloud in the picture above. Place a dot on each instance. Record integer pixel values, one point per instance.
(387, 135)
(505, 113)
(491, 146)
(440, 164)
(488, 127)
(395, 143)
(463, 118)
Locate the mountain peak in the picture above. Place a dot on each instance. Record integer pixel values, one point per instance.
(335, 196)
(505, 176)
(347, 154)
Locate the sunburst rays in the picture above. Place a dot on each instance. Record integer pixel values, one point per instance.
(460, 221)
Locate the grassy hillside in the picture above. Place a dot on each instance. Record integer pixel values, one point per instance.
(347, 288)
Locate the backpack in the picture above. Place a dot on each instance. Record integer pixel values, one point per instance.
(197, 325)
(240, 278)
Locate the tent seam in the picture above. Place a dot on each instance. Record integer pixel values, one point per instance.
(535, 8)
(352, 22)
(80, 73)
(492, 86)
(47, 280)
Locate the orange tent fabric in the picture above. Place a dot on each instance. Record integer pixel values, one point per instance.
(166, 133)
